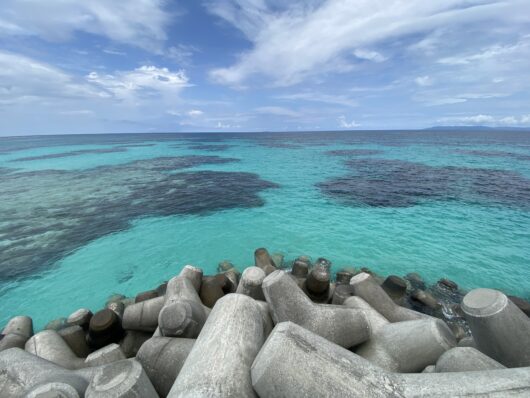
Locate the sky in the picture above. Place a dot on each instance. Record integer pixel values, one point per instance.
(102, 66)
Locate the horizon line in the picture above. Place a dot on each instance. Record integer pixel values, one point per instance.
(466, 128)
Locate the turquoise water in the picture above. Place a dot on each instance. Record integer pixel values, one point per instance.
(453, 205)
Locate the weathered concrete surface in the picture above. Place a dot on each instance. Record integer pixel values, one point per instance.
(465, 359)
(17, 332)
(183, 314)
(376, 320)
(219, 363)
(143, 316)
(367, 288)
(339, 324)
(49, 345)
(122, 379)
(105, 355)
(500, 329)
(409, 346)
(250, 283)
(295, 362)
(21, 371)
(162, 359)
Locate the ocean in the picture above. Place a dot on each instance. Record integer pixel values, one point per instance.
(86, 216)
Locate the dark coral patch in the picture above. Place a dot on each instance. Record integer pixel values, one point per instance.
(70, 154)
(354, 152)
(396, 183)
(495, 154)
(47, 214)
(210, 148)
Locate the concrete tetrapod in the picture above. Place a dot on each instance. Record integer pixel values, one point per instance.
(409, 346)
(331, 371)
(123, 379)
(162, 358)
(367, 288)
(250, 283)
(500, 329)
(263, 260)
(464, 359)
(219, 363)
(133, 340)
(183, 314)
(344, 326)
(143, 316)
(105, 355)
(194, 274)
(53, 390)
(17, 331)
(49, 345)
(21, 371)
(376, 320)
(317, 285)
(75, 337)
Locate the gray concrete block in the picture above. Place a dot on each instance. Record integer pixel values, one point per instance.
(162, 359)
(17, 331)
(375, 319)
(21, 371)
(294, 362)
(464, 359)
(183, 314)
(345, 326)
(194, 274)
(53, 390)
(49, 345)
(75, 337)
(367, 288)
(105, 355)
(467, 341)
(408, 346)
(263, 260)
(122, 379)
(250, 283)
(219, 363)
(133, 340)
(143, 316)
(500, 329)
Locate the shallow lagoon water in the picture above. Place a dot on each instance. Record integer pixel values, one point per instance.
(470, 235)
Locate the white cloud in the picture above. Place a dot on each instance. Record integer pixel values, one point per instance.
(294, 40)
(224, 126)
(424, 81)
(182, 54)
(24, 80)
(277, 110)
(135, 22)
(484, 119)
(143, 81)
(319, 97)
(78, 112)
(343, 123)
(488, 53)
(195, 113)
(369, 55)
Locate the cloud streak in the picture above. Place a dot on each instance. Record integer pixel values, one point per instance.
(134, 22)
(298, 41)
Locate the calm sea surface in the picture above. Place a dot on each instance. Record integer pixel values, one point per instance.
(82, 217)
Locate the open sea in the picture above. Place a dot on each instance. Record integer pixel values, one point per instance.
(86, 216)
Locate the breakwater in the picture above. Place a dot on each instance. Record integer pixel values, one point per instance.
(278, 331)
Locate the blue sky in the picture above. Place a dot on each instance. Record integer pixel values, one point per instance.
(101, 66)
